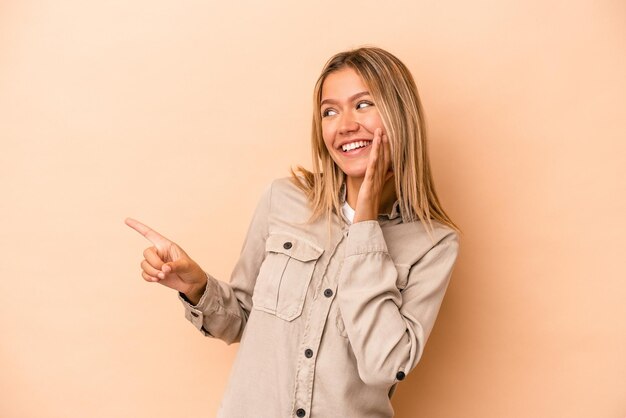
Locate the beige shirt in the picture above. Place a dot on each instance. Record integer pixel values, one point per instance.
(326, 328)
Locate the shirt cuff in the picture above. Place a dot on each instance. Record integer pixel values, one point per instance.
(365, 237)
(205, 306)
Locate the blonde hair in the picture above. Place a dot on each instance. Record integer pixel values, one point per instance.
(395, 94)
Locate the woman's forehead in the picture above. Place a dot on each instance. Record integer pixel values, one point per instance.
(342, 84)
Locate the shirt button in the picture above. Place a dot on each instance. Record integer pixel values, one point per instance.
(300, 412)
(308, 353)
(328, 293)
(287, 245)
(400, 375)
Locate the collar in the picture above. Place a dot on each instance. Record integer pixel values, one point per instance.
(395, 209)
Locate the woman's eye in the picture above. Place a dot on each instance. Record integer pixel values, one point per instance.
(328, 112)
(364, 103)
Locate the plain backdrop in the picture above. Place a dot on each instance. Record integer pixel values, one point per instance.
(180, 113)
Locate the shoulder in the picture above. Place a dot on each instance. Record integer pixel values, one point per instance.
(448, 244)
(287, 181)
(409, 242)
(286, 200)
(285, 188)
(444, 232)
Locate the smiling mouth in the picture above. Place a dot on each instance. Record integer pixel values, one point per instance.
(354, 146)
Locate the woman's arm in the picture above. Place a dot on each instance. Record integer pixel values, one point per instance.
(387, 328)
(223, 308)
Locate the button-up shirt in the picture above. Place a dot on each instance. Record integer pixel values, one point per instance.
(327, 325)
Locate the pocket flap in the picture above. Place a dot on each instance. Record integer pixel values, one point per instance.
(293, 246)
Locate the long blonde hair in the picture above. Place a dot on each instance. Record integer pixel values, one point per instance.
(393, 89)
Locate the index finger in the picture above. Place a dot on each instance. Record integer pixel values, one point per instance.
(375, 148)
(150, 234)
(387, 151)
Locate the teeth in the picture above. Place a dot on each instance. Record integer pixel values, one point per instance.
(353, 145)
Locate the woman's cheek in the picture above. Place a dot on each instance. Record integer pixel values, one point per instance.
(327, 137)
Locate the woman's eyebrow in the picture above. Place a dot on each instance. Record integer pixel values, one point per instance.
(352, 98)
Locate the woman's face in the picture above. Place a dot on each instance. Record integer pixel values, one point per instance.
(349, 119)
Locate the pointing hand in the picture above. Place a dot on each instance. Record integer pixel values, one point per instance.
(168, 264)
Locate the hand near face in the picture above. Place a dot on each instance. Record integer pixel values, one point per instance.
(168, 264)
(377, 173)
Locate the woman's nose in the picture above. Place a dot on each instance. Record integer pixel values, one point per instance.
(348, 124)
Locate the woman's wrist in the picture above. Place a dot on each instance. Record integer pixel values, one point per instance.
(194, 294)
(368, 213)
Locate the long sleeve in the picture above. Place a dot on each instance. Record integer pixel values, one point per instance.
(223, 309)
(387, 328)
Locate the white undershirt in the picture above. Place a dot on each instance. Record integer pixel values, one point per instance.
(348, 211)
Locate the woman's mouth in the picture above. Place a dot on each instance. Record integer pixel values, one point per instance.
(355, 148)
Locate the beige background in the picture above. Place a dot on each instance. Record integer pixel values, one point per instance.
(179, 113)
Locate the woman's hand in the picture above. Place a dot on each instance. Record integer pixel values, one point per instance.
(167, 263)
(377, 173)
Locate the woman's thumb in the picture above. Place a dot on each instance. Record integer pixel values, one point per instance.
(179, 266)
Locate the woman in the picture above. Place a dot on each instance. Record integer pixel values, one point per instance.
(343, 269)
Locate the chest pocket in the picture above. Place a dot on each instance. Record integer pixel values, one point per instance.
(285, 275)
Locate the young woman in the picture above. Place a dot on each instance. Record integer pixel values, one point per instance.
(343, 269)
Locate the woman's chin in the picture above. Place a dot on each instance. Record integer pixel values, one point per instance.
(355, 172)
